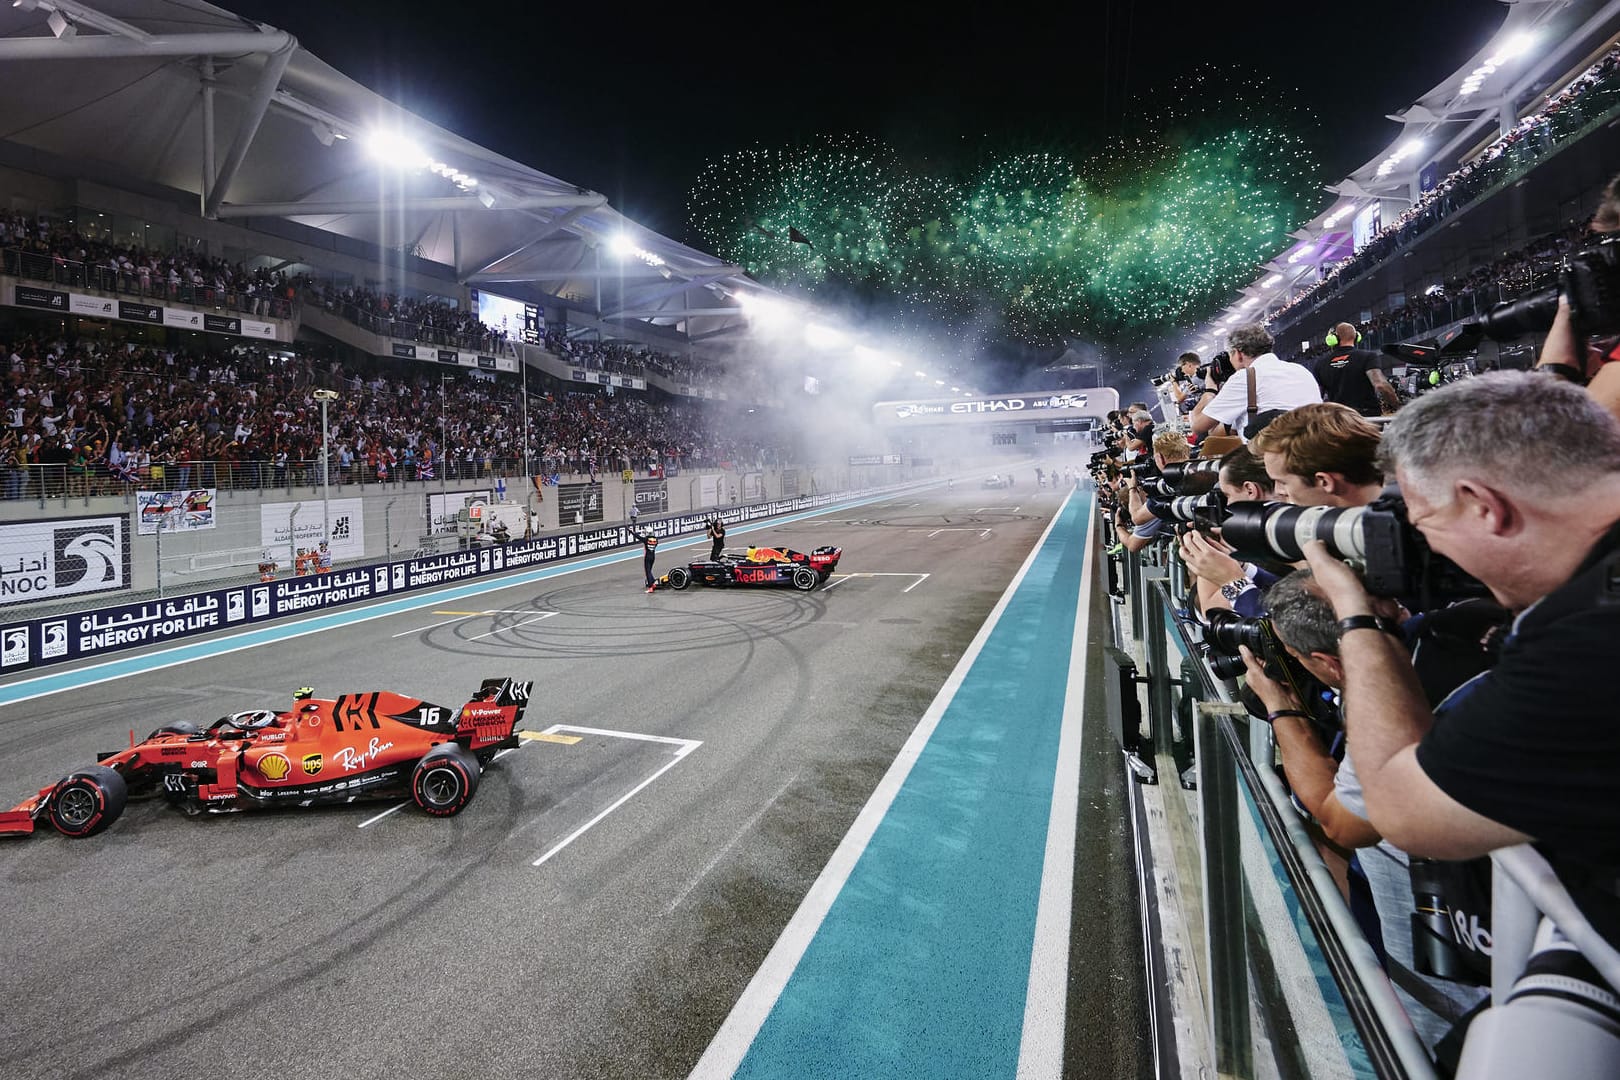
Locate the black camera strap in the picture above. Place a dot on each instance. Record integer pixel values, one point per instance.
(1254, 398)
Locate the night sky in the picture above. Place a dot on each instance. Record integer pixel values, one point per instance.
(631, 103)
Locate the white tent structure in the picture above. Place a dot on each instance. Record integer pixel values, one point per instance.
(186, 97)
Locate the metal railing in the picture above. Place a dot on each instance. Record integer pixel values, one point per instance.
(406, 330)
(1290, 985)
(56, 270)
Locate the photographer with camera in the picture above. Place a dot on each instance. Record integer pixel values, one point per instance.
(1529, 751)
(1263, 388)
(1223, 581)
(1184, 382)
(1321, 455)
(1330, 791)
(1137, 527)
(1569, 351)
(1352, 376)
(1139, 430)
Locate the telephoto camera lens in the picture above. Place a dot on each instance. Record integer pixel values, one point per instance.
(1193, 477)
(1274, 530)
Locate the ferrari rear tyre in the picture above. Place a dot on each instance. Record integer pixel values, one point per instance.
(805, 579)
(445, 780)
(87, 801)
(680, 578)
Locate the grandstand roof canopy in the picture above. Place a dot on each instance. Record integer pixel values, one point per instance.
(1521, 65)
(187, 96)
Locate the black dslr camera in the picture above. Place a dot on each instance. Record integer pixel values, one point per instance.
(1227, 631)
(1589, 278)
(1392, 555)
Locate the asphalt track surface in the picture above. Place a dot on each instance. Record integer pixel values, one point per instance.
(602, 903)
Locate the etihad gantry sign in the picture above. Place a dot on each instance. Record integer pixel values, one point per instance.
(1041, 407)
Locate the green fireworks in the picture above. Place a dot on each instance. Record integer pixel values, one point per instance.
(1149, 233)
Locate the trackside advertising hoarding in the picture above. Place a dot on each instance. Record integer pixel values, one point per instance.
(60, 557)
(1094, 402)
(33, 643)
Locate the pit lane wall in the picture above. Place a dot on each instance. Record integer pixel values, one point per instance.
(61, 638)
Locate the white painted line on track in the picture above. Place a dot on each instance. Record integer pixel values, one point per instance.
(431, 625)
(514, 626)
(936, 532)
(396, 808)
(730, 1045)
(920, 579)
(747, 827)
(985, 532)
(1040, 1050)
(841, 578)
(682, 748)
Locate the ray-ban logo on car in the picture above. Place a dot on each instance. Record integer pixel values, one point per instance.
(87, 555)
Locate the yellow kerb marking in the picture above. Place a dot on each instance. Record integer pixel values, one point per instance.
(543, 736)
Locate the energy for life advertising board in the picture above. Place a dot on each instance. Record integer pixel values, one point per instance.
(279, 530)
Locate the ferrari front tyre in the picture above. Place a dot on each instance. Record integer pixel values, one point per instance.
(805, 579)
(680, 578)
(87, 801)
(445, 780)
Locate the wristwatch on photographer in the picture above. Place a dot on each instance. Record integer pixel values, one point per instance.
(1234, 589)
(1369, 622)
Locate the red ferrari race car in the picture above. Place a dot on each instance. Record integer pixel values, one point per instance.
(759, 566)
(357, 746)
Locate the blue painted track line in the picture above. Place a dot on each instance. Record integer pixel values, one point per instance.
(30, 687)
(921, 964)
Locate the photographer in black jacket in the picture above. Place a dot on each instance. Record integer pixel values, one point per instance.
(1530, 750)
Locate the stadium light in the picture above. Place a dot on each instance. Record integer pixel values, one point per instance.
(1301, 253)
(922, 374)
(396, 151)
(956, 389)
(1271, 281)
(623, 246)
(939, 382)
(1338, 215)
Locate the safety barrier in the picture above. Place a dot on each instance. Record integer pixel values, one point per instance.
(61, 638)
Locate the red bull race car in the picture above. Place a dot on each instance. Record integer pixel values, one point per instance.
(759, 566)
(355, 746)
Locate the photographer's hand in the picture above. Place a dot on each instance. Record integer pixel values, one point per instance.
(1339, 585)
(1275, 696)
(1207, 561)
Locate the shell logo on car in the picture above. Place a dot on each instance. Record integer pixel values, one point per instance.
(275, 766)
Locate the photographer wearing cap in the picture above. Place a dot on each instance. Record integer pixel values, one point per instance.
(1321, 455)
(1263, 387)
(1351, 376)
(1530, 750)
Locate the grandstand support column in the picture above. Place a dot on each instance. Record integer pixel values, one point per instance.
(324, 396)
(523, 366)
(208, 163)
(1507, 117)
(275, 65)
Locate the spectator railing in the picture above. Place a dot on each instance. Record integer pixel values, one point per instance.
(1266, 895)
(67, 480)
(68, 273)
(1284, 970)
(405, 330)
